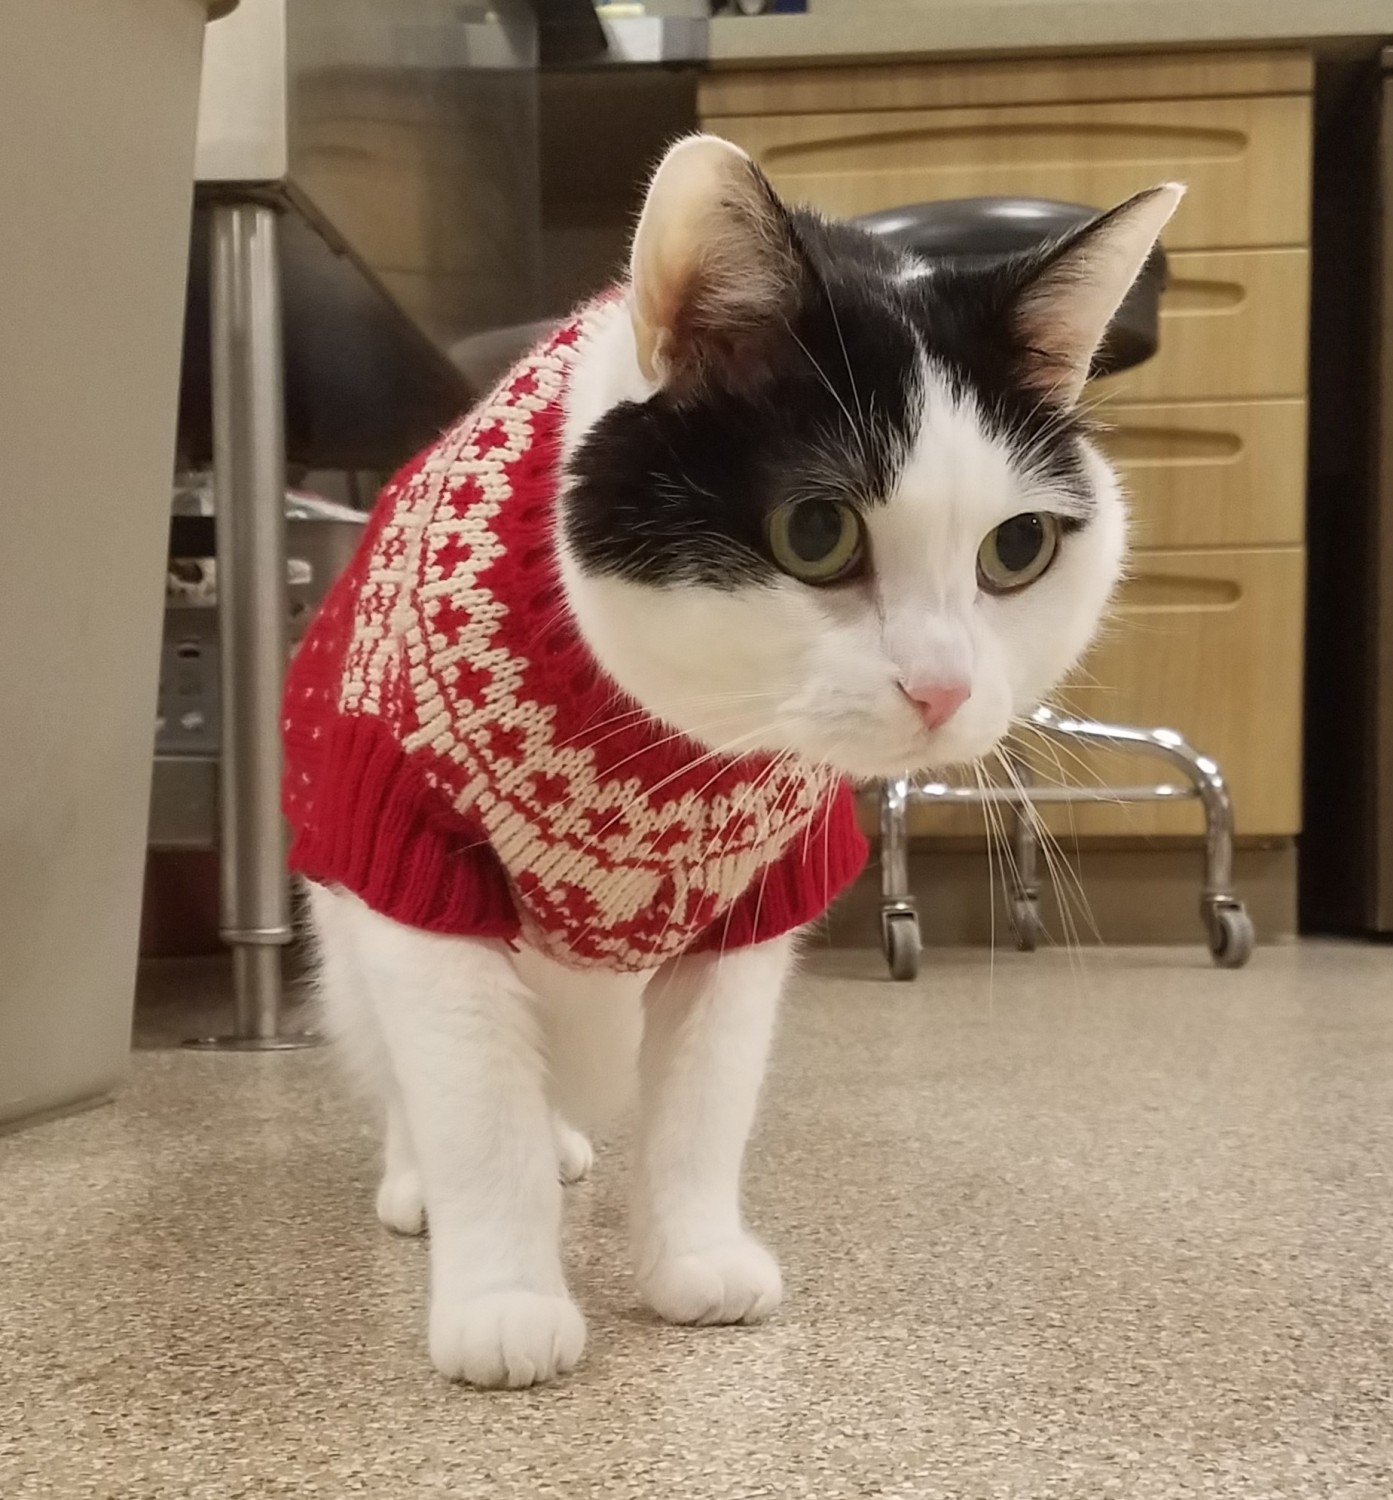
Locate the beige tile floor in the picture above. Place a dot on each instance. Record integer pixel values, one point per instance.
(1046, 1236)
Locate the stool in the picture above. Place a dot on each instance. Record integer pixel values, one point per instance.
(977, 231)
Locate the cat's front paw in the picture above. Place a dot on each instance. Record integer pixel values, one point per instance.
(735, 1281)
(401, 1203)
(506, 1339)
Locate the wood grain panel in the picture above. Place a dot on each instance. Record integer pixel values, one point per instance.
(1233, 323)
(1213, 474)
(1208, 643)
(1246, 161)
(922, 85)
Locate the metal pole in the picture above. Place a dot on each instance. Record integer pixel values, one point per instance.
(894, 846)
(249, 499)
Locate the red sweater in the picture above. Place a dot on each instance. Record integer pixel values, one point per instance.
(456, 757)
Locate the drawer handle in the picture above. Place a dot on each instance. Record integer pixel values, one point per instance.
(1184, 298)
(1172, 447)
(1164, 593)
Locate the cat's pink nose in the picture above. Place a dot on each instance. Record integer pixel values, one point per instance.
(936, 702)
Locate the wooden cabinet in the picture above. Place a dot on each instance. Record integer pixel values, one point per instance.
(1210, 435)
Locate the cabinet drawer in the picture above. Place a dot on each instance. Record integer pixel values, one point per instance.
(1213, 474)
(1208, 643)
(1246, 161)
(1233, 323)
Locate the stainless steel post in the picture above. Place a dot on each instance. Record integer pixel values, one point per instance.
(894, 846)
(900, 936)
(249, 497)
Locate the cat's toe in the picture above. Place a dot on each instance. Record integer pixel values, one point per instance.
(737, 1281)
(574, 1153)
(506, 1339)
(401, 1203)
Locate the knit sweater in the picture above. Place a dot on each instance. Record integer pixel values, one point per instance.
(456, 757)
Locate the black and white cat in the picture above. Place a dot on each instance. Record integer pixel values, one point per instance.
(820, 501)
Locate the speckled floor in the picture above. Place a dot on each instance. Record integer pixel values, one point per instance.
(1045, 1236)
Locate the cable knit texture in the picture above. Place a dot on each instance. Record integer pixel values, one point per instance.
(456, 757)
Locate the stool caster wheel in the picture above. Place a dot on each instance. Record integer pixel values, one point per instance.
(902, 943)
(1231, 935)
(1026, 923)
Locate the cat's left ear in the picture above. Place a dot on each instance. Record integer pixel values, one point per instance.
(1065, 308)
(715, 274)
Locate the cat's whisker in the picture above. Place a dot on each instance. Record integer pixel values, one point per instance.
(721, 758)
(740, 742)
(771, 816)
(718, 754)
(1074, 885)
(1010, 873)
(860, 429)
(1075, 888)
(1089, 780)
(1058, 871)
(853, 426)
(751, 793)
(1067, 884)
(587, 739)
(989, 825)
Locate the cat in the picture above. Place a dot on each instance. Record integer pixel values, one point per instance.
(568, 745)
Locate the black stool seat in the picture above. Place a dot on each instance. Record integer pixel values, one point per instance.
(977, 231)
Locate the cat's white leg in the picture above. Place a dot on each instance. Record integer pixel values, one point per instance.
(349, 1018)
(708, 1024)
(462, 1033)
(591, 1019)
(401, 1199)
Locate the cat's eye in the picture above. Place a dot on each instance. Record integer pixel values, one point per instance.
(1017, 552)
(817, 541)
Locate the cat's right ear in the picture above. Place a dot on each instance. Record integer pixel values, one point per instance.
(1074, 291)
(715, 274)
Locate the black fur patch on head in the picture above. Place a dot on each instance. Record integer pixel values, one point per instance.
(966, 318)
(679, 488)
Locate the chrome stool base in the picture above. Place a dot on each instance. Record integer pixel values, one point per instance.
(1228, 928)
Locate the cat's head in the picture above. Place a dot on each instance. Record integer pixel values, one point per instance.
(830, 499)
